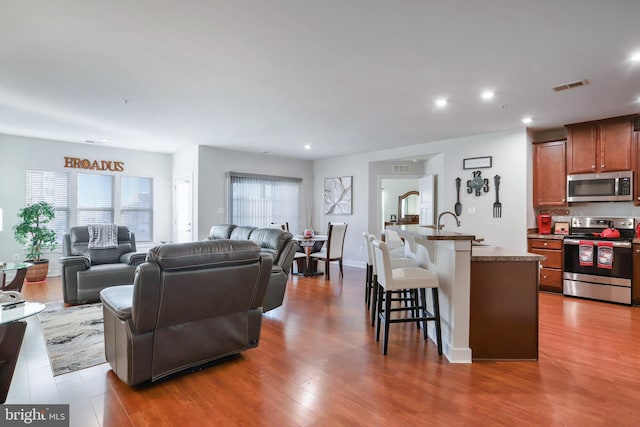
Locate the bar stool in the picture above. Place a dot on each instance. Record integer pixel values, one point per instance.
(368, 278)
(394, 279)
(395, 263)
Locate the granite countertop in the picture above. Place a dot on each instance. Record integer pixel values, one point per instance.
(545, 236)
(430, 233)
(495, 253)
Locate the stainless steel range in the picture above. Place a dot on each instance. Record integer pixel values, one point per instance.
(598, 261)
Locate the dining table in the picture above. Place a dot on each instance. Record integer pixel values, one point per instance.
(309, 245)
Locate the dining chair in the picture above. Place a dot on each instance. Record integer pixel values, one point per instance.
(391, 280)
(334, 248)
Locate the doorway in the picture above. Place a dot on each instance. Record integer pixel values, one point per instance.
(183, 209)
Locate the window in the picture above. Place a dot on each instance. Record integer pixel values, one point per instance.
(136, 206)
(53, 188)
(95, 199)
(259, 200)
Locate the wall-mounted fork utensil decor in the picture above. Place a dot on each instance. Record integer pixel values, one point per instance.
(497, 206)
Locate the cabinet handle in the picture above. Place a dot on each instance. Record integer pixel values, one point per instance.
(593, 166)
(545, 243)
(602, 166)
(564, 199)
(638, 251)
(544, 277)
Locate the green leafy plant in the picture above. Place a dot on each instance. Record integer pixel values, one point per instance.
(33, 229)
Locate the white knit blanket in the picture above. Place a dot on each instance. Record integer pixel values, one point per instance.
(103, 236)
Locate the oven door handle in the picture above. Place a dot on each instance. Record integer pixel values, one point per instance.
(576, 242)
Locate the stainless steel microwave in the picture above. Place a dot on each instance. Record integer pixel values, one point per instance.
(600, 187)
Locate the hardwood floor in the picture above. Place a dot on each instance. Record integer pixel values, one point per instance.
(318, 364)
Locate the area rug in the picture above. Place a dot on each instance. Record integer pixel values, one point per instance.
(74, 337)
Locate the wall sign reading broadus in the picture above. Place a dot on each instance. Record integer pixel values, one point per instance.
(98, 165)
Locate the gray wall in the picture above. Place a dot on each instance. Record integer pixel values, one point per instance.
(210, 185)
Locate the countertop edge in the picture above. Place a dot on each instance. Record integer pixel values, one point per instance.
(430, 233)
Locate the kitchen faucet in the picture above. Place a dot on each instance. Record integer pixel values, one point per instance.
(439, 227)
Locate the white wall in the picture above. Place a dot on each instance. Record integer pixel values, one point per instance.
(211, 186)
(20, 154)
(509, 150)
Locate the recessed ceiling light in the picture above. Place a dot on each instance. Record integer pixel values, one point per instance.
(487, 95)
(441, 102)
(527, 120)
(635, 57)
(307, 146)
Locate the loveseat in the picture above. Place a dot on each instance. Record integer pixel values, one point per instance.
(85, 271)
(190, 304)
(275, 242)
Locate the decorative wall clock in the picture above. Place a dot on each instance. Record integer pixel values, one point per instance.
(478, 184)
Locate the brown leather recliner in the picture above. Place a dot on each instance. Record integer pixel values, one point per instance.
(190, 303)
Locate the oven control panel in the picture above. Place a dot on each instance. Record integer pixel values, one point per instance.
(601, 223)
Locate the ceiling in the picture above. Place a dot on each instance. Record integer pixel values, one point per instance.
(345, 76)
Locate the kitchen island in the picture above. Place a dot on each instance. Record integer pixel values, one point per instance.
(503, 312)
(449, 255)
(477, 286)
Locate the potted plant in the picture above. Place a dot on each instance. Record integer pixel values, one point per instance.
(32, 230)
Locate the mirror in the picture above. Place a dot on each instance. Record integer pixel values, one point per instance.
(408, 205)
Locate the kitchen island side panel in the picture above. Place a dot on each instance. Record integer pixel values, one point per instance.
(504, 310)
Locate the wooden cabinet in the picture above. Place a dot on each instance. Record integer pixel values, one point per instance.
(551, 268)
(636, 168)
(503, 310)
(549, 174)
(635, 286)
(600, 146)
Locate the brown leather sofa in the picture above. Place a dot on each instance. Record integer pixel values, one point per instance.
(190, 303)
(85, 272)
(273, 241)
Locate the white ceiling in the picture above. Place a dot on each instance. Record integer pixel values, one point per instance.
(346, 76)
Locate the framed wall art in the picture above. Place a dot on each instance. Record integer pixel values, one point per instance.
(337, 195)
(477, 162)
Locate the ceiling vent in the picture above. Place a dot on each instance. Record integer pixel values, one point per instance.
(401, 169)
(571, 85)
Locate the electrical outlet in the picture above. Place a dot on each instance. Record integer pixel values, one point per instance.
(471, 210)
(16, 257)
(221, 211)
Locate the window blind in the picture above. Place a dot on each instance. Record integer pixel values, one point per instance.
(259, 200)
(95, 199)
(53, 188)
(136, 206)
